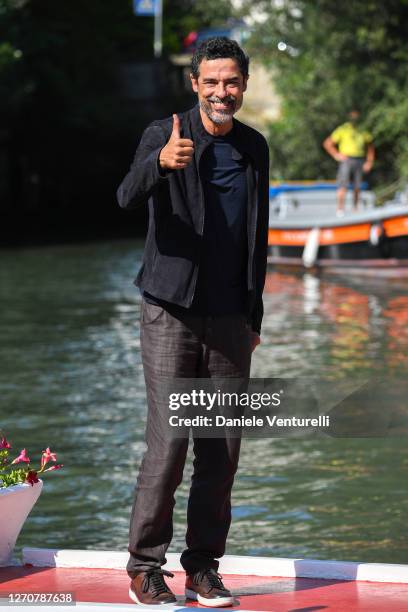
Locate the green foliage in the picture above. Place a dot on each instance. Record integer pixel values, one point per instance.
(184, 16)
(8, 55)
(64, 119)
(338, 55)
(16, 476)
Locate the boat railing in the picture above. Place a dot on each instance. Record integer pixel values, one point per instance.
(310, 203)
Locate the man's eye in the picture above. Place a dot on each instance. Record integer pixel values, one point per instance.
(228, 84)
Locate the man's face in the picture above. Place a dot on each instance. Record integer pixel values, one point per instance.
(220, 87)
(354, 116)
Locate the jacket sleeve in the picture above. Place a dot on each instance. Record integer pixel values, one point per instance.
(144, 173)
(261, 245)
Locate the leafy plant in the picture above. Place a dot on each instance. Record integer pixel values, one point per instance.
(11, 475)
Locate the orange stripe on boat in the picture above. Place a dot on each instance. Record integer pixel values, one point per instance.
(398, 226)
(335, 235)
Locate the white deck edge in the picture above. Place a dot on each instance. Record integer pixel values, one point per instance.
(230, 564)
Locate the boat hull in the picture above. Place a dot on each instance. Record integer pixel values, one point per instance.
(361, 248)
(378, 268)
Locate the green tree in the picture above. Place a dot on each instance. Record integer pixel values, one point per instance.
(326, 57)
(62, 111)
(184, 16)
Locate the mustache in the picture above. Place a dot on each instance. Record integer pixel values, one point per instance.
(215, 99)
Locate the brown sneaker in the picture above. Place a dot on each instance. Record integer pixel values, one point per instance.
(206, 587)
(149, 588)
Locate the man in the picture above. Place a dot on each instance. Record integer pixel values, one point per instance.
(205, 175)
(353, 148)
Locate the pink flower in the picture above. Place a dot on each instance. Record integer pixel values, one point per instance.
(47, 456)
(22, 457)
(4, 443)
(31, 477)
(54, 467)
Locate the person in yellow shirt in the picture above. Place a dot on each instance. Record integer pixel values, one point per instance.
(353, 148)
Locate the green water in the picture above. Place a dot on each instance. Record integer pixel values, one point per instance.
(71, 378)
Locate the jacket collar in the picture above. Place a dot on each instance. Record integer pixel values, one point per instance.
(244, 142)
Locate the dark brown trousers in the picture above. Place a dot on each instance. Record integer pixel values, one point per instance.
(185, 346)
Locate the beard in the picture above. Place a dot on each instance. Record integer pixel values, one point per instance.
(219, 116)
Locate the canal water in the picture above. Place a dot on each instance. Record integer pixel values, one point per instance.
(71, 379)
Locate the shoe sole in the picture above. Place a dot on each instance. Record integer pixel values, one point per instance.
(134, 598)
(217, 602)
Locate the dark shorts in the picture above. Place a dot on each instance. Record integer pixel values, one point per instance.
(350, 171)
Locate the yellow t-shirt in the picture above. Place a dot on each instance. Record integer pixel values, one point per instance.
(351, 140)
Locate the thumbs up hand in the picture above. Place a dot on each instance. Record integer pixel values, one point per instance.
(178, 152)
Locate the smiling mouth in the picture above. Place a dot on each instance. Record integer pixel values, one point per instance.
(222, 105)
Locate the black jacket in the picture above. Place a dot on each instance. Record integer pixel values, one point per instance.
(176, 212)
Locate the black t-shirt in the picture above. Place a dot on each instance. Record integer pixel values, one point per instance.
(221, 284)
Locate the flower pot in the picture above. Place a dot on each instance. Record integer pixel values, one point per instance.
(16, 503)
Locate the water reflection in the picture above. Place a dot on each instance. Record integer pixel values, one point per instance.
(72, 378)
(358, 331)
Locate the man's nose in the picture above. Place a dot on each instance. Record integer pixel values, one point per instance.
(220, 90)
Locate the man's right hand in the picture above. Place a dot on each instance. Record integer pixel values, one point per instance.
(340, 157)
(178, 152)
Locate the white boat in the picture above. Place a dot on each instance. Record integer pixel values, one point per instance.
(305, 232)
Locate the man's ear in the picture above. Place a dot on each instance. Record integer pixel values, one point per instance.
(244, 87)
(194, 83)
